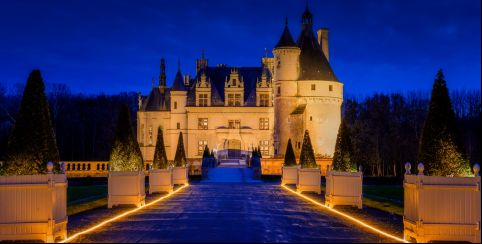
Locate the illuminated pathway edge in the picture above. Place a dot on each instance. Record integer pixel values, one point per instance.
(117, 217)
(346, 216)
(226, 212)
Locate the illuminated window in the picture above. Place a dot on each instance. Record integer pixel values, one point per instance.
(264, 147)
(201, 145)
(178, 125)
(203, 100)
(264, 123)
(203, 123)
(313, 87)
(264, 100)
(230, 100)
(150, 135)
(237, 100)
(234, 124)
(330, 87)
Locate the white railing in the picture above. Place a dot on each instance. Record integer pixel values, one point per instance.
(33, 207)
(438, 208)
(343, 188)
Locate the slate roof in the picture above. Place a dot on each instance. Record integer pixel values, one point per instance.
(300, 109)
(158, 100)
(286, 40)
(313, 63)
(178, 84)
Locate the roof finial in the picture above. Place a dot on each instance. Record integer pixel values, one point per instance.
(307, 7)
(265, 53)
(202, 53)
(286, 21)
(152, 82)
(178, 64)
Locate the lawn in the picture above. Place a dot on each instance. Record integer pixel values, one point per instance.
(387, 198)
(83, 198)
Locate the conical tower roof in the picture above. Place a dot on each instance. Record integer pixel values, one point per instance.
(286, 40)
(178, 84)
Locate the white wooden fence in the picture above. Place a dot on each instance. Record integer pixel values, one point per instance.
(343, 188)
(33, 207)
(438, 208)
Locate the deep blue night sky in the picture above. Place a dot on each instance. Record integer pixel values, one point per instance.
(114, 46)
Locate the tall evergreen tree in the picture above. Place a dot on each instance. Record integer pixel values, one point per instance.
(32, 143)
(290, 158)
(125, 154)
(307, 157)
(440, 148)
(180, 158)
(206, 153)
(342, 158)
(160, 157)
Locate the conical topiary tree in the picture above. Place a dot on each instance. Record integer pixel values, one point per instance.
(342, 158)
(32, 143)
(180, 158)
(307, 157)
(206, 153)
(290, 158)
(160, 157)
(125, 154)
(440, 147)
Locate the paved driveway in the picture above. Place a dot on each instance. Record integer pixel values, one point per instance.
(232, 212)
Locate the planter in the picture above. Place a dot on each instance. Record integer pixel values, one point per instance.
(289, 175)
(179, 176)
(160, 180)
(344, 188)
(309, 180)
(126, 188)
(33, 207)
(438, 208)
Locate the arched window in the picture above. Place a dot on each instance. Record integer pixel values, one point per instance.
(98, 166)
(103, 166)
(68, 167)
(175, 105)
(83, 166)
(88, 167)
(78, 166)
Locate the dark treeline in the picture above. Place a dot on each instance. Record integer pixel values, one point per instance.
(386, 128)
(84, 125)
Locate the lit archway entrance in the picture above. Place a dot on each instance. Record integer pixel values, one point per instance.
(233, 147)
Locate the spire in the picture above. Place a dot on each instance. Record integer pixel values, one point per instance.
(286, 40)
(178, 84)
(152, 82)
(162, 76)
(307, 18)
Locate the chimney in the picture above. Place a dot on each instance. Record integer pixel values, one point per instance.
(323, 41)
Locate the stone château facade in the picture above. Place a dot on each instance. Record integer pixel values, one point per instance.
(235, 109)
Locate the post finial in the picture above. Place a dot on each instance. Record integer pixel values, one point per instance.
(50, 167)
(408, 166)
(476, 169)
(420, 168)
(360, 168)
